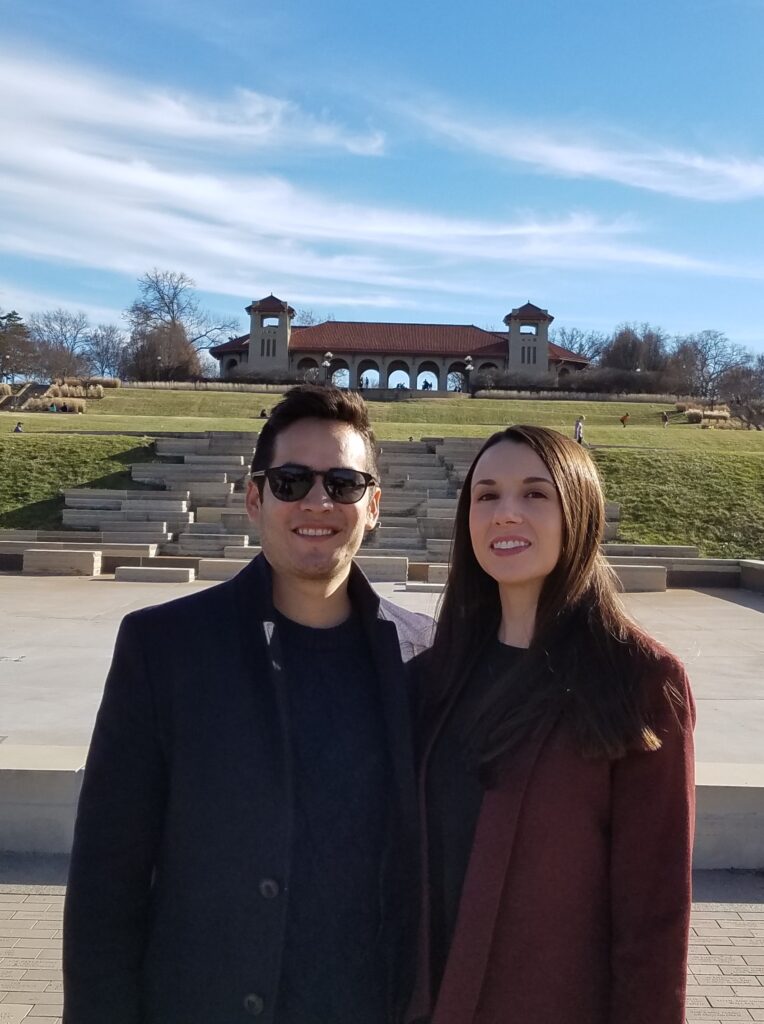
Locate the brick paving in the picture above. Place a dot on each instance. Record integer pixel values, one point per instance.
(725, 969)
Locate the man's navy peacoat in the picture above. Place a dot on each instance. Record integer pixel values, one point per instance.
(179, 880)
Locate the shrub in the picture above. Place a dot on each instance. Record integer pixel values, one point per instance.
(716, 414)
(681, 407)
(5, 389)
(104, 382)
(694, 415)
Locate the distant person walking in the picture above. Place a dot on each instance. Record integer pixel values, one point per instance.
(665, 418)
(18, 429)
(578, 430)
(624, 419)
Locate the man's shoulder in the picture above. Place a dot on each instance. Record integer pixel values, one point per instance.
(413, 627)
(203, 607)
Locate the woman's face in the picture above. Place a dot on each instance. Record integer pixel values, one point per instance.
(515, 517)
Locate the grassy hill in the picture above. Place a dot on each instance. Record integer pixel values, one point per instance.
(681, 484)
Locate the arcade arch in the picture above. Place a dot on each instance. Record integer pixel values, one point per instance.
(428, 373)
(398, 373)
(368, 373)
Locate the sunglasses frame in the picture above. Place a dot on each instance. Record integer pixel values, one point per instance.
(262, 474)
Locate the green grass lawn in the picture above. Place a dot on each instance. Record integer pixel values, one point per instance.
(34, 469)
(709, 499)
(681, 484)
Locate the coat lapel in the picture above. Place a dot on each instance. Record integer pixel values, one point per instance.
(483, 885)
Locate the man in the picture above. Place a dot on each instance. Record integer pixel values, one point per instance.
(246, 839)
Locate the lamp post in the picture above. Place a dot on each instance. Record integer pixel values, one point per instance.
(327, 365)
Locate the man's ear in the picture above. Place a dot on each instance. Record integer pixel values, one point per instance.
(372, 511)
(253, 501)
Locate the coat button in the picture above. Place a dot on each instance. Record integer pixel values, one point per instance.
(269, 888)
(254, 1004)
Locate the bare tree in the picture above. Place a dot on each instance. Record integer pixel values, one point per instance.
(701, 361)
(588, 344)
(16, 352)
(167, 299)
(60, 340)
(160, 353)
(103, 349)
(743, 389)
(636, 347)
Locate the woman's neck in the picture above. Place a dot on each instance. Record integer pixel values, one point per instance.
(518, 615)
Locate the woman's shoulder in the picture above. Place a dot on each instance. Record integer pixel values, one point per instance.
(667, 689)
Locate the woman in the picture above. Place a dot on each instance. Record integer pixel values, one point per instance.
(557, 776)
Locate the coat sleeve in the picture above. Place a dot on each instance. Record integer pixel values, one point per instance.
(116, 838)
(652, 828)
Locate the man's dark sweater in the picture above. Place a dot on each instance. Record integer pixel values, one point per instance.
(334, 965)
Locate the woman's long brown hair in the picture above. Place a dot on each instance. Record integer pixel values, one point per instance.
(586, 658)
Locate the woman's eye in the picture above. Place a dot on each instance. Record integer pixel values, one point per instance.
(537, 494)
(485, 496)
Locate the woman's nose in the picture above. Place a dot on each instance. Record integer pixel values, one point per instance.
(507, 511)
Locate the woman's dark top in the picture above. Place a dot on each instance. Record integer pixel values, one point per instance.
(454, 794)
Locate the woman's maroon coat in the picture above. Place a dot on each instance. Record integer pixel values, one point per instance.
(576, 902)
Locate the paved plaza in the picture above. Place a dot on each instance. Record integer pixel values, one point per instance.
(57, 635)
(725, 970)
(56, 638)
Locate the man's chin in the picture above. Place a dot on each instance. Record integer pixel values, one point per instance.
(323, 566)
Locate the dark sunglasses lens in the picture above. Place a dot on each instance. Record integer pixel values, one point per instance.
(345, 486)
(290, 484)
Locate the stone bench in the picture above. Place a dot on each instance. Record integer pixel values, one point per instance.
(61, 562)
(40, 787)
(153, 574)
(729, 816)
(752, 574)
(641, 579)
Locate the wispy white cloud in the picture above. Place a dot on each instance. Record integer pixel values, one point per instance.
(89, 180)
(635, 163)
(61, 98)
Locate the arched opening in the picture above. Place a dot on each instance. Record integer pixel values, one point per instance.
(368, 374)
(308, 370)
(339, 373)
(532, 329)
(230, 365)
(456, 379)
(488, 366)
(271, 321)
(398, 375)
(427, 378)
(564, 371)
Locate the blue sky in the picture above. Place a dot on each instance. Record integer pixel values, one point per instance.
(420, 161)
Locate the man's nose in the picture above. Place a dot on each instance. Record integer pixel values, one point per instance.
(317, 498)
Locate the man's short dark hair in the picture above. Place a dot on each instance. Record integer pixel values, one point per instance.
(309, 401)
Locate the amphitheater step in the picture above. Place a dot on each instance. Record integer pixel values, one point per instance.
(153, 574)
(61, 562)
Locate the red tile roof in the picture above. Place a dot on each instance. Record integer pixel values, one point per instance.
(240, 344)
(270, 304)
(393, 339)
(529, 312)
(368, 338)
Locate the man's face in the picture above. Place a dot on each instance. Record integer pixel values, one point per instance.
(314, 537)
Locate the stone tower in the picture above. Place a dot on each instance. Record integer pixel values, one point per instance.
(528, 340)
(270, 325)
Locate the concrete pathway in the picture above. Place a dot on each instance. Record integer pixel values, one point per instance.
(725, 970)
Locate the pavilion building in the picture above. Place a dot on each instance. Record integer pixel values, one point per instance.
(364, 354)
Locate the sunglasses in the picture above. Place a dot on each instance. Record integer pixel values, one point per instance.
(291, 483)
